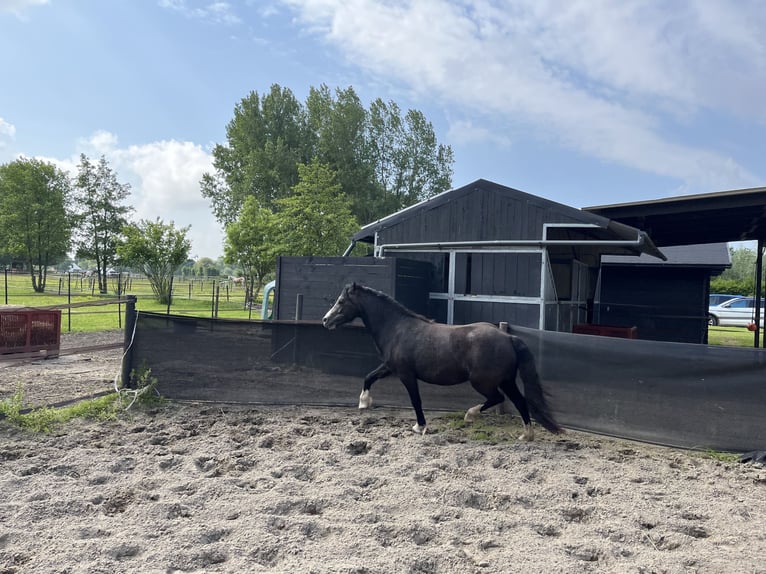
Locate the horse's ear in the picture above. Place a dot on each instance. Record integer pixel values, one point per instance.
(353, 286)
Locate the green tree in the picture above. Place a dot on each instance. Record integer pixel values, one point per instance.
(35, 224)
(250, 243)
(409, 162)
(265, 142)
(187, 269)
(383, 161)
(739, 279)
(206, 267)
(315, 219)
(158, 249)
(101, 216)
(339, 125)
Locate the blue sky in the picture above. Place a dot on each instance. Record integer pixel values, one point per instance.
(585, 102)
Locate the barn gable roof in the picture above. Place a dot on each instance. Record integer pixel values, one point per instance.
(578, 227)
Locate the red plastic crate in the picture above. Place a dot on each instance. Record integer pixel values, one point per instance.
(25, 330)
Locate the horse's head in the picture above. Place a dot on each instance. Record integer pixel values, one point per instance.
(344, 310)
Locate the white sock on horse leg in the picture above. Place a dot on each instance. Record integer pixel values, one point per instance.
(528, 434)
(365, 400)
(472, 414)
(419, 429)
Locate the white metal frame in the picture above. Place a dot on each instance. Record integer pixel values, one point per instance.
(450, 296)
(540, 246)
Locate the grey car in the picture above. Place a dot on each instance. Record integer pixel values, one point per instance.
(739, 312)
(718, 298)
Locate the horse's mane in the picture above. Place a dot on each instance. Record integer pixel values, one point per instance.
(391, 301)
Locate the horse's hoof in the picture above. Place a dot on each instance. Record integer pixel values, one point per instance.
(528, 435)
(472, 414)
(365, 400)
(419, 429)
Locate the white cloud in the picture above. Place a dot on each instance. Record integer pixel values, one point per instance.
(164, 177)
(100, 142)
(18, 7)
(7, 133)
(467, 132)
(607, 79)
(215, 12)
(682, 55)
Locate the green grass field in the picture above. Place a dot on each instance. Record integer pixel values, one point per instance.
(731, 336)
(190, 297)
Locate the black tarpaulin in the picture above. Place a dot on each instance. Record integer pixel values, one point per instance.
(675, 394)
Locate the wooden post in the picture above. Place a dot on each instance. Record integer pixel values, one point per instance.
(296, 331)
(170, 295)
(299, 306)
(758, 275)
(128, 340)
(69, 304)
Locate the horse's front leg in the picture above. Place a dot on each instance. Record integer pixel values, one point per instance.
(411, 384)
(381, 372)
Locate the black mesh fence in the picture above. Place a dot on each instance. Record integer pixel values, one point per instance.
(270, 362)
(676, 394)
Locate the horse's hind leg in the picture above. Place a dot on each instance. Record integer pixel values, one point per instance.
(518, 400)
(411, 384)
(365, 399)
(494, 397)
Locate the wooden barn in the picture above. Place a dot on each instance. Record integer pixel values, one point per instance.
(308, 286)
(663, 300)
(487, 253)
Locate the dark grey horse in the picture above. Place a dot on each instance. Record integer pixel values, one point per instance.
(413, 347)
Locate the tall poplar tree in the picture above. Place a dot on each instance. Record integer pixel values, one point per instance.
(101, 215)
(383, 160)
(266, 140)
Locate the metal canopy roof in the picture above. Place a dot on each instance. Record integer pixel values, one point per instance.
(738, 215)
(712, 256)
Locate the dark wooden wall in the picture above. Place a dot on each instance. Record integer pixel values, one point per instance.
(665, 304)
(320, 280)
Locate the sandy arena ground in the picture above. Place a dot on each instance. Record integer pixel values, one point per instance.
(207, 488)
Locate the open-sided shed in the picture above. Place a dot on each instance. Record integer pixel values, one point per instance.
(663, 300)
(502, 254)
(736, 215)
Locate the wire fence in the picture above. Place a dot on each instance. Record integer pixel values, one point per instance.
(216, 297)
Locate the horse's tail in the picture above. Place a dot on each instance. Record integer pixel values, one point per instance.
(533, 390)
